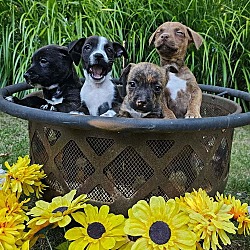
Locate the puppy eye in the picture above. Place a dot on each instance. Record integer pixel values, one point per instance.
(43, 60)
(180, 33)
(87, 47)
(109, 49)
(157, 88)
(132, 84)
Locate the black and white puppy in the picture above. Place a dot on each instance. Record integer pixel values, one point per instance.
(53, 71)
(99, 94)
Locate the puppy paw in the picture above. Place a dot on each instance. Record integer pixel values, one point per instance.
(192, 115)
(10, 98)
(76, 113)
(53, 108)
(109, 113)
(48, 107)
(45, 107)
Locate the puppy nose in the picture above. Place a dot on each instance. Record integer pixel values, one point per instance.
(164, 35)
(141, 103)
(26, 75)
(98, 56)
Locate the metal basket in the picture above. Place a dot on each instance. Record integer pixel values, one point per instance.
(118, 161)
(119, 168)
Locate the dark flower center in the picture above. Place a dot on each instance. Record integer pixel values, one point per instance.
(59, 209)
(95, 230)
(159, 232)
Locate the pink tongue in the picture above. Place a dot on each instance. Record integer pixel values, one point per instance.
(97, 71)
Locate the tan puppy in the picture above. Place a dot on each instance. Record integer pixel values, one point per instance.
(144, 91)
(183, 95)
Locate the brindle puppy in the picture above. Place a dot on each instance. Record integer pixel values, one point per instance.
(144, 87)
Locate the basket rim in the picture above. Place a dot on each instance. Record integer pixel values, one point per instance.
(133, 125)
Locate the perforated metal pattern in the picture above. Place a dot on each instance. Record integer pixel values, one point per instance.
(220, 159)
(208, 141)
(73, 165)
(157, 192)
(206, 185)
(212, 110)
(39, 152)
(52, 181)
(180, 171)
(160, 147)
(98, 193)
(100, 145)
(128, 171)
(52, 135)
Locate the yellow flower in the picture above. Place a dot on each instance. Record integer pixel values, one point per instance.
(9, 201)
(239, 212)
(11, 228)
(58, 210)
(210, 220)
(101, 229)
(160, 224)
(24, 178)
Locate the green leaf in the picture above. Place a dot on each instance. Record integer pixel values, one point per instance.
(63, 246)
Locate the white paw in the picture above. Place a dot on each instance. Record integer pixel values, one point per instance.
(53, 108)
(109, 113)
(9, 98)
(45, 107)
(76, 113)
(192, 115)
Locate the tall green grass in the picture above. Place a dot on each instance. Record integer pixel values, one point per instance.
(224, 58)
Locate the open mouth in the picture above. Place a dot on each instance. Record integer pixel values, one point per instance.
(97, 72)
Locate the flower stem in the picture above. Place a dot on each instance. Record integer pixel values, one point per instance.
(50, 247)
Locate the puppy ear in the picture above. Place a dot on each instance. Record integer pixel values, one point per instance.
(151, 39)
(64, 50)
(119, 50)
(125, 71)
(194, 37)
(75, 50)
(124, 77)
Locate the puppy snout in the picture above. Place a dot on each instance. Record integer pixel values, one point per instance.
(98, 56)
(141, 103)
(164, 36)
(26, 76)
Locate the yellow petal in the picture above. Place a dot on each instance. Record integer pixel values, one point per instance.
(94, 246)
(103, 211)
(78, 244)
(108, 242)
(65, 221)
(69, 196)
(140, 244)
(80, 217)
(158, 205)
(9, 239)
(74, 233)
(134, 229)
(116, 220)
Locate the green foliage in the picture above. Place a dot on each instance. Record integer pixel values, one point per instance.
(224, 58)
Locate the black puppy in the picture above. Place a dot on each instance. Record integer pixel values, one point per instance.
(99, 94)
(53, 71)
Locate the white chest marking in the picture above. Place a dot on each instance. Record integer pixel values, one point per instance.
(55, 101)
(102, 41)
(95, 95)
(175, 84)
